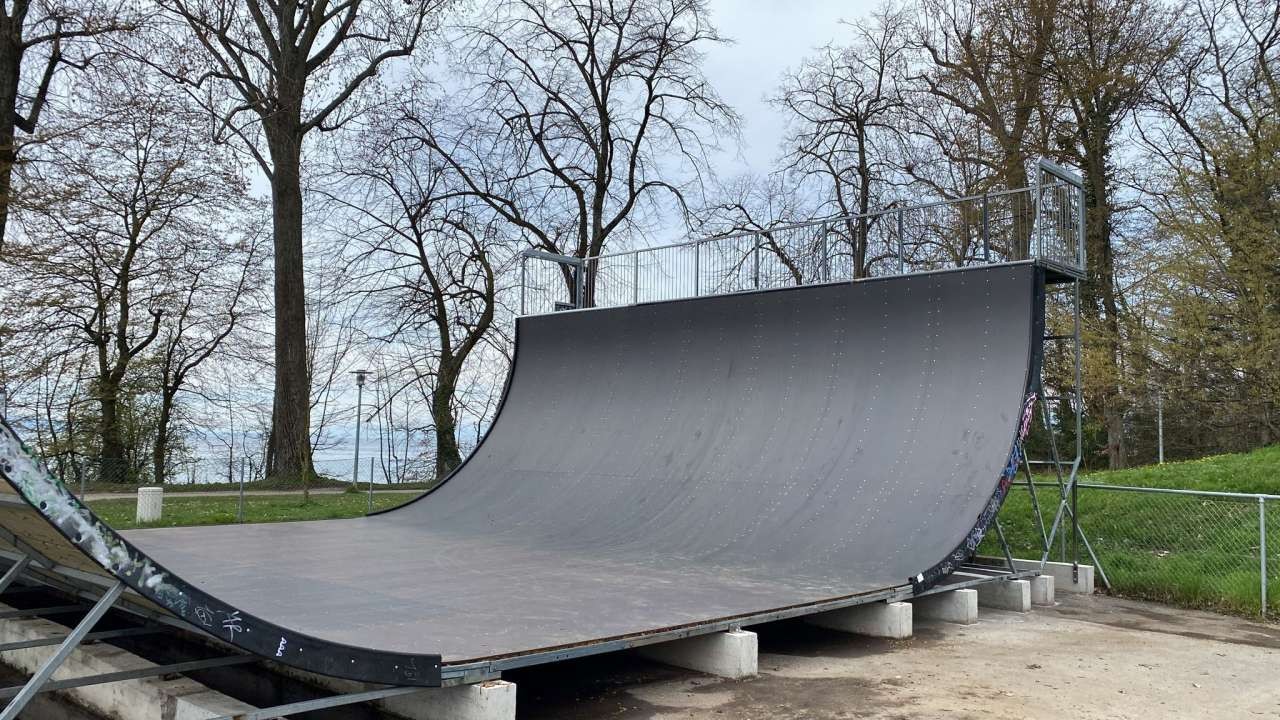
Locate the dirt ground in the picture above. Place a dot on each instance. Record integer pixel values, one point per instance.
(1088, 657)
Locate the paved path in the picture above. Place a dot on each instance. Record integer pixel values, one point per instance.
(234, 493)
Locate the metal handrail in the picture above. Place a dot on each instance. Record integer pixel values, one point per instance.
(1047, 225)
(829, 220)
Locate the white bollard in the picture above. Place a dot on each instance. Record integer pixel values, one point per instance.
(150, 504)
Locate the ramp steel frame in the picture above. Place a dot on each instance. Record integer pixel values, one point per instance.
(108, 596)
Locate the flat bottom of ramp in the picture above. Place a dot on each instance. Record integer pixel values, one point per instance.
(401, 588)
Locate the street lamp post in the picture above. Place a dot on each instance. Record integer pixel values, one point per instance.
(355, 465)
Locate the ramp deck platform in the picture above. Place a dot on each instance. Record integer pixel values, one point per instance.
(654, 470)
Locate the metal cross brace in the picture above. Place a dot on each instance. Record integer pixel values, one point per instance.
(14, 572)
(73, 639)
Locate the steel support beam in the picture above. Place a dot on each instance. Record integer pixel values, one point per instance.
(37, 612)
(91, 637)
(136, 674)
(324, 703)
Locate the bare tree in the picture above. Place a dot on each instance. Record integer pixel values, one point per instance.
(42, 31)
(135, 190)
(208, 299)
(843, 106)
(764, 207)
(269, 74)
(989, 60)
(581, 116)
(432, 247)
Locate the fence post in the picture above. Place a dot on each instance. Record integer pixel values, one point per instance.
(902, 261)
(1160, 427)
(1262, 550)
(635, 278)
(524, 262)
(240, 501)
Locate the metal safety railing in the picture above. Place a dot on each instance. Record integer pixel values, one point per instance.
(1205, 549)
(1043, 222)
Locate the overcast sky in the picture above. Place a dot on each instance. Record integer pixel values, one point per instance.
(769, 36)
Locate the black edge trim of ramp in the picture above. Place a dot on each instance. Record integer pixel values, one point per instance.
(504, 452)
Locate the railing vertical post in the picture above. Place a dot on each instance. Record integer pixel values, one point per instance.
(524, 281)
(1262, 550)
(986, 229)
(580, 284)
(1081, 251)
(697, 248)
(635, 278)
(902, 260)
(1036, 225)
(755, 261)
(825, 271)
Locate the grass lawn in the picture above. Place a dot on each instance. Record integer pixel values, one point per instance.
(180, 510)
(1192, 551)
(1252, 472)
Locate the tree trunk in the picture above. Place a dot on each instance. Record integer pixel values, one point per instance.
(1099, 291)
(448, 456)
(290, 450)
(160, 451)
(112, 465)
(10, 68)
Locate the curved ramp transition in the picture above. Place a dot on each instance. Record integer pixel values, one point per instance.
(654, 468)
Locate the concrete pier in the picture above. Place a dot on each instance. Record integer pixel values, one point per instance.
(1042, 588)
(881, 619)
(732, 654)
(486, 700)
(953, 606)
(1012, 595)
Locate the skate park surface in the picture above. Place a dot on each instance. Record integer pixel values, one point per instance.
(1088, 657)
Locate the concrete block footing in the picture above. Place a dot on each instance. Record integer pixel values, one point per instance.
(1012, 595)
(1063, 579)
(1042, 590)
(732, 654)
(491, 700)
(953, 606)
(486, 700)
(881, 619)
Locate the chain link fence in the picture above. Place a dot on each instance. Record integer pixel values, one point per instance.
(1216, 551)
